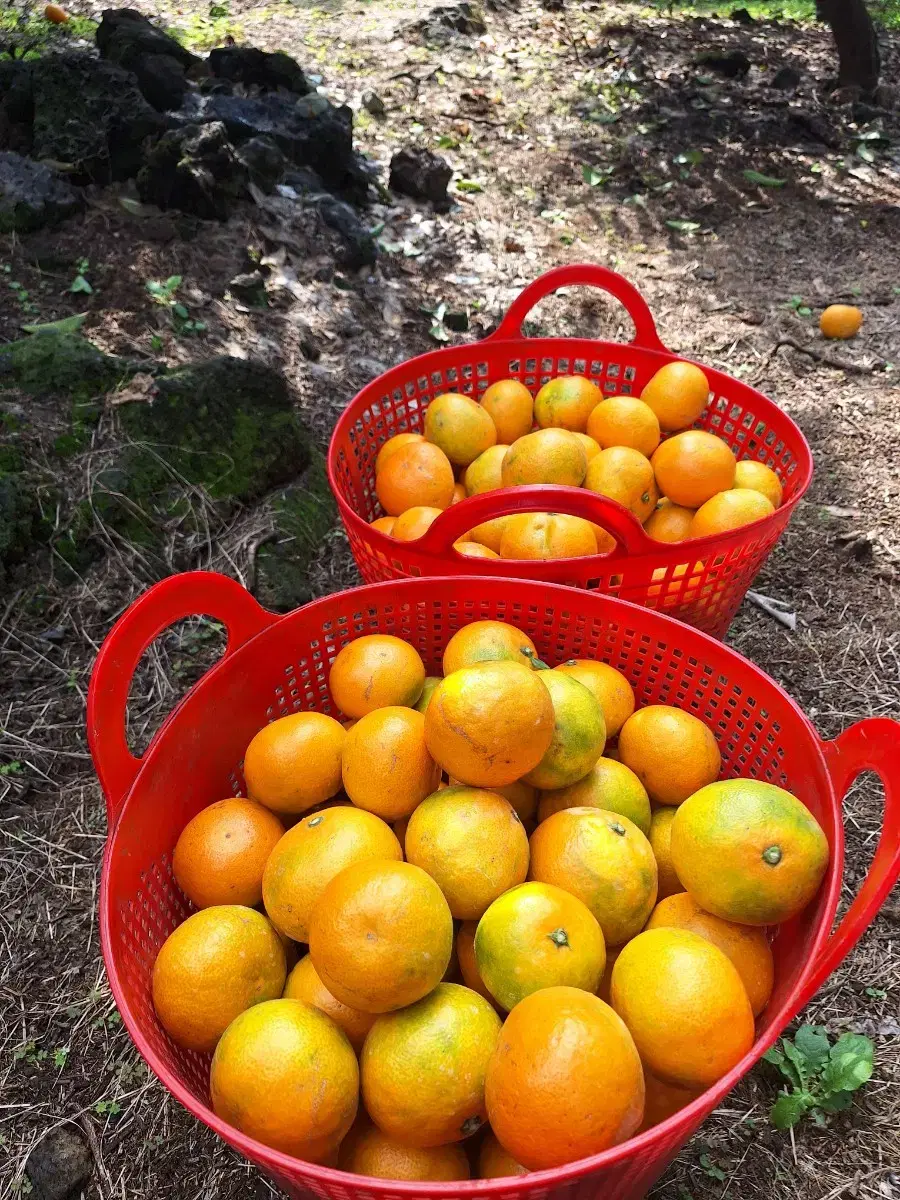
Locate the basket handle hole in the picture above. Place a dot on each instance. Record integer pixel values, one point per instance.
(580, 312)
(168, 668)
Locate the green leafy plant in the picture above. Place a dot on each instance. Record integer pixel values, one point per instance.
(469, 185)
(107, 1108)
(682, 226)
(80, 282)
(29, 1052)
(596, 176)
(438, 330)
(821, 1076)
(165, 294)
(799, 305)
(712, 1168)
(766, 181)
(11, 768)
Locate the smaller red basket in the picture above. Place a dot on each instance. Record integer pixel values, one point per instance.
(702, 582)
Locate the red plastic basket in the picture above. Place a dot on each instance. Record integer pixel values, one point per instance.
(276, 665)
(720, 568)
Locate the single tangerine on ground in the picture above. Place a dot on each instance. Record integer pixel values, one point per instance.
(746, 946)
(684, 1004)
(489, 724)
(386, 767)
(547, 536)
(221, 853)
(295, 762)
(310, 855)
(669, 522)
(840, 321)
(303, 983)
(613, 692)
(608, 784)
(678, 394)
(545, 456)
(487, 641)
(218, 962)
(565, 1080)
(536, 936)
(510, 406)
(624, 421)
(460, 427)
(672, 752)
(422, 1069)
(730, 510)
(417, 473)
(371, 1152)
(693, 466)
(284, 1074)
(749, 851)
(624, 475)
(375, 671)
(579, 733)
(566, 403)
(759, 478)
(472, 843)
(602, 858)
(381, 935)
(56, 15)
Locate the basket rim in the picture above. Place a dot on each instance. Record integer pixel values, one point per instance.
(291, 1167)
(391, 377)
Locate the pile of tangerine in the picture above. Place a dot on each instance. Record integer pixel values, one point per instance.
(689, 485)
(493, 922)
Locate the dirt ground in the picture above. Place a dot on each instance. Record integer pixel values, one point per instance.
(589, 134)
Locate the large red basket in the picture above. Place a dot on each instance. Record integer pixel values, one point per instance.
(720, 568)
(276, 665)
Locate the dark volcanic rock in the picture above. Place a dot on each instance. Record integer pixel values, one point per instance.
(249, 288)
(125, 35)
(359, 245)
(421, 174)
(31, 195)
(195, 170)
(733, 64)
(257, 68)
(16, 106)
(265, 163)
(92, 115)
(309, 130)
(162, 81)
(59, 1165)
(786, 79)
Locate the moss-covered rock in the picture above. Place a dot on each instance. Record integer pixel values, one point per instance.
(227, 425)
(20, 519)
(304, 515)
(63, 363)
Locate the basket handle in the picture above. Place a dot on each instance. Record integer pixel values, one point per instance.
(576, 502)
(591, 274)
(870, 745)
(191, 594)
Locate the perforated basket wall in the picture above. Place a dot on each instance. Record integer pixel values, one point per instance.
(701, 583)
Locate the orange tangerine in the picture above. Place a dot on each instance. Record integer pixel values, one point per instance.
(661, 843)
(678, 394)
(488, 533)
(460, 427)
(692, 466)
(547, 536)
(672, 752)
(484, 474)
(611, 689)
(459, 493)
(495, 1163)
(393, 444)
(510, 406)
(591, 448)
(579, 733)
(608, 784)
(663, 1100)
(417, 473)
(624, 421)
(566, 403)
(303, 983)
(374, 671)
(468, 967)
(840, 321)
(730, 510)
(624, 475)
(487, 641)
(384, 524)
(474, 550)
(295, 762)
(759, 478)
(386, 767)
(411, 524)
(373, 1153)
(669, 522)
(545, 456)
(221, 853)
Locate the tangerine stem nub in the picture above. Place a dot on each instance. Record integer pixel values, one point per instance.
(772, 855)
(537, 663)
(559, 937)
(617, 828)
